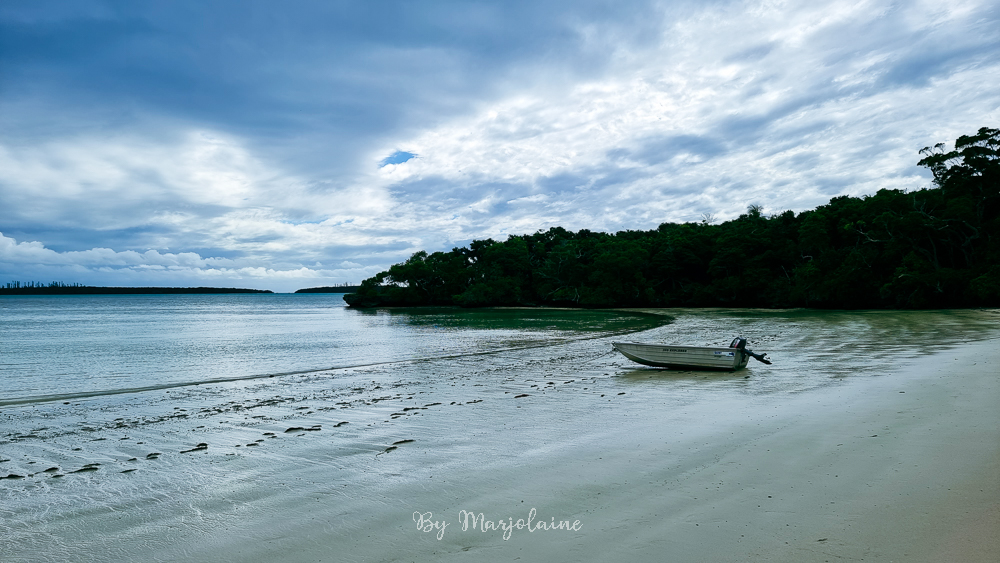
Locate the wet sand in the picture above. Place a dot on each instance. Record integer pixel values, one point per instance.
(901, 467)
(881, 446)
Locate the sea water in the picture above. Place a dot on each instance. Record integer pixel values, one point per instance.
(140, 427)
(55, 347)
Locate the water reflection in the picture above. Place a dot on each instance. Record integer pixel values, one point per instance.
(525, 319)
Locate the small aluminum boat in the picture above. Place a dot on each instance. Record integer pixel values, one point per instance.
(672, 356)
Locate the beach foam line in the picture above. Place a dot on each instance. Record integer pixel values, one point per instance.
(35, 399)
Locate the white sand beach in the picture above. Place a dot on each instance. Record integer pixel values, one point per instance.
(901, 467)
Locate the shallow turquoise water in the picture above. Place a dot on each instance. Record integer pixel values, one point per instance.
(66, 346)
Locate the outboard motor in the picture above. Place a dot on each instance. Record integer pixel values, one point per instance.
(741, 344)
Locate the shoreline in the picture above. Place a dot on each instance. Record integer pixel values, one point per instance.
(871, 438)
(885, 468)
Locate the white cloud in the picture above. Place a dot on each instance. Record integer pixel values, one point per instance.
(793, 123)
(124, 181)
(27, 261)
(780, 103)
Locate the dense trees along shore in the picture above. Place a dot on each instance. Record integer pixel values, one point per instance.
(936, 247)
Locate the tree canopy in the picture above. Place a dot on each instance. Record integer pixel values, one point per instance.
(931, 248)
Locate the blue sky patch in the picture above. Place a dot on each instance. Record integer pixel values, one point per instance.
(397, 157)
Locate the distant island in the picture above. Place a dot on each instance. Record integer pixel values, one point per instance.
(58, 288)
(331, 289)
(931, 248)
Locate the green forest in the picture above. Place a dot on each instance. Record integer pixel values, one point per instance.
(932, 248)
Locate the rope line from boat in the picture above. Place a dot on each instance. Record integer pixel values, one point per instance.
(612, 351)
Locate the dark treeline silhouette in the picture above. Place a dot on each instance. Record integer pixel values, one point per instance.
(59, 288)
(936, 247)
(38, 285)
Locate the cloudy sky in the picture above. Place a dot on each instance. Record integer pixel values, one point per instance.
(287, 145)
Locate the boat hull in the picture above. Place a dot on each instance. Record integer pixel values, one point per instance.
(683, 357)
